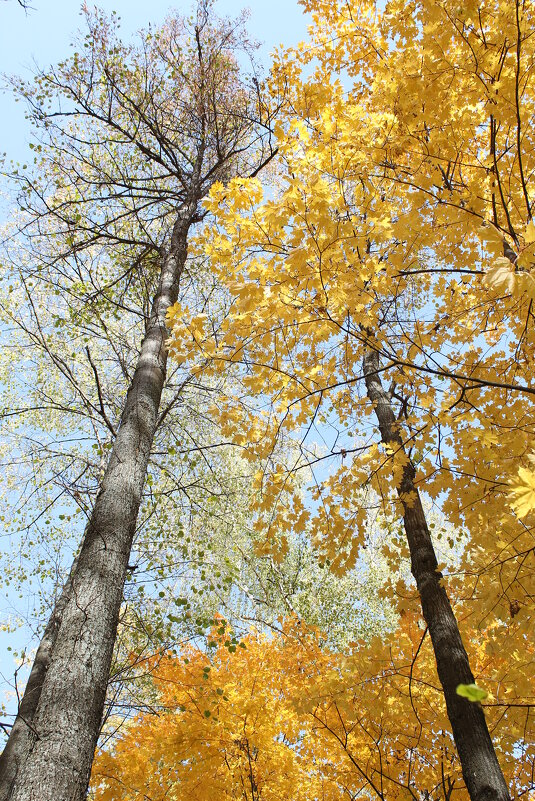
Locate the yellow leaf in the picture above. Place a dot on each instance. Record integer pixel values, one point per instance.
(529, 234)
(501, 276)
(523, 492)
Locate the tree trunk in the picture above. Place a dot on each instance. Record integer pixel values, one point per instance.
(50, 750)
(19, 738)
(481, 771)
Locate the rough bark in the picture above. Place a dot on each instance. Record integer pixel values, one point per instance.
(481, 771)
(50, 750)
(19, 738)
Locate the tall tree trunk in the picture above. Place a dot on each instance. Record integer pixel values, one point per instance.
(481, 771)
(50, 751)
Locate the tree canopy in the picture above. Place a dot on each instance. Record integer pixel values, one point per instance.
(385, 283)
(284, 717)
(340, 262)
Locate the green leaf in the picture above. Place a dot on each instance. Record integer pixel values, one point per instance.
(472, 692)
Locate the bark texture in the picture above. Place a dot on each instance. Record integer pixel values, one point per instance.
(50, 751)
(18, 743)
(481, 770)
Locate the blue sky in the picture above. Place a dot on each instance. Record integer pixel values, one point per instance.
(42, 36)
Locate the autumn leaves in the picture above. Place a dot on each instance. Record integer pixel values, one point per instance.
(399, 219)
(356, 323)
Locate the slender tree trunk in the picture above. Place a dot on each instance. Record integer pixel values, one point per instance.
(481, 771)
(50, 751)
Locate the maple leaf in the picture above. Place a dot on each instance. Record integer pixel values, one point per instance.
(501, 276)
(523, 491)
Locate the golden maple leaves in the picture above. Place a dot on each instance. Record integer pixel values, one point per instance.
(282, 717)
(523, 490)
(402, 213)
(399, 207)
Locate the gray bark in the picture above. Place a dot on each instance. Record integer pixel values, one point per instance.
(481, 771)
(19, 738)
(50, 750)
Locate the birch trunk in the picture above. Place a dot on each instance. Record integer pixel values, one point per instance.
(50, 750)
(481, 772)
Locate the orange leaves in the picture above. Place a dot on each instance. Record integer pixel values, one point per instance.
(225, 727)
(289, 719)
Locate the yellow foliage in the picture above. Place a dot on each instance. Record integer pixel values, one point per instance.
(401, 221)
(282, 718)
(523, 491)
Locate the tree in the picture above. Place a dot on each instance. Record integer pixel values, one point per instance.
(123, 165)
(281, 716)
(230, 715)
(388, 283)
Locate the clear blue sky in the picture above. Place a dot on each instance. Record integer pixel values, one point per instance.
(42, 35)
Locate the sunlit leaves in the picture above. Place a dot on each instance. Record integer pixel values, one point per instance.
(293, 719)
(523, 491)
(400, 219)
